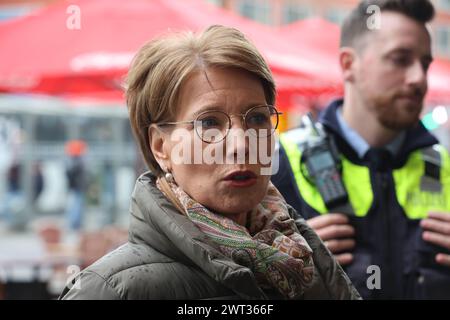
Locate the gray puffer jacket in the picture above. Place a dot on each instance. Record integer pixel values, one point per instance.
(167, 257)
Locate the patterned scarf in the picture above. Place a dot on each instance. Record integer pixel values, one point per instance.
(271, 245)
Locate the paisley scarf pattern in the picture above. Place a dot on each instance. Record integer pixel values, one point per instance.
(271, 245)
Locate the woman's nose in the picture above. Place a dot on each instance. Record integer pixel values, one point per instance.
(238, 120)
(237, 146)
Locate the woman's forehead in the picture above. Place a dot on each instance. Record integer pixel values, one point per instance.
(221, 88)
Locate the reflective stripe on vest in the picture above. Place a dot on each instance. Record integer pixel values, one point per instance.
(416, 192)
(356, 180)
(419, 194)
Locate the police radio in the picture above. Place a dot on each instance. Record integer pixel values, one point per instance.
(321, 158)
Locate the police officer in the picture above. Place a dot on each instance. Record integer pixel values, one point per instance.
(396, 175)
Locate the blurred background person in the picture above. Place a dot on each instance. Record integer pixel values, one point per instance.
(13, 201)
(76, 178)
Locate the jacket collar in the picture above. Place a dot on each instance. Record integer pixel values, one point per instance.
(157, 223)
(416, 138)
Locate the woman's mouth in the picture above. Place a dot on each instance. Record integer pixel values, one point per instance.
(241, 179)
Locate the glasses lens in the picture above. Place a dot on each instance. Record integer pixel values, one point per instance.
(212, 126)
(262, 120)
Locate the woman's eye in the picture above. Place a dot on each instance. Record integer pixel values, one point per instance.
(258, 119)
(210, 122)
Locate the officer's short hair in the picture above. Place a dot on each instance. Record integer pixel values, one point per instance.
(355, 25)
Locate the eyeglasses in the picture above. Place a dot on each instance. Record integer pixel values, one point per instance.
(213, 126)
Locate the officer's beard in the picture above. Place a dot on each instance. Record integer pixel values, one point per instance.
(399, 111)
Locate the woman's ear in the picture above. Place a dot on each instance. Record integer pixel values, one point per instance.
(347, 63)
(156, 140)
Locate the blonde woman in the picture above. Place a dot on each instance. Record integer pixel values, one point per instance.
(205, 220)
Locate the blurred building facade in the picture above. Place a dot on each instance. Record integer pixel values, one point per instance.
(10, 9)
(282, 12)
(34, 134)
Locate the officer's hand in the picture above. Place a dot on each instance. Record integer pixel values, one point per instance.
(437, 231)
(334, 229)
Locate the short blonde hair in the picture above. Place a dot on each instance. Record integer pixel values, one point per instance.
(161, 66)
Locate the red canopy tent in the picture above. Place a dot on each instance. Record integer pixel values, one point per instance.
(318, 39)
(40, 54)
(315, 31)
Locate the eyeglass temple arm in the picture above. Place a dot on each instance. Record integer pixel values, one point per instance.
(173, 123)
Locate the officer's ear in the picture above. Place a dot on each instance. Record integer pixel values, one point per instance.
(347, 58)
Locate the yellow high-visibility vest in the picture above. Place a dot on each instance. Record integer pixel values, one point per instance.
(416, 193)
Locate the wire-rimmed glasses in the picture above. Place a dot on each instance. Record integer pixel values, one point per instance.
(212, 126)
